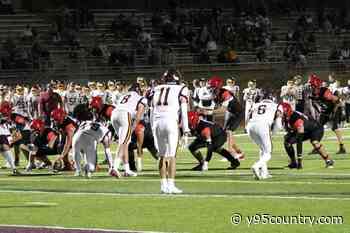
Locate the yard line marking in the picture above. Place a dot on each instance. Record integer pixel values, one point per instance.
(76, 229)
(37, 203)
(162, 196)
(182, 181)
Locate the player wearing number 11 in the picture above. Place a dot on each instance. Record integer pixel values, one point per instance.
(169, 101)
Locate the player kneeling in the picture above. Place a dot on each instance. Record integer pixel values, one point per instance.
(210, 135)
(264, 119)
(85, 142)
(299, 128)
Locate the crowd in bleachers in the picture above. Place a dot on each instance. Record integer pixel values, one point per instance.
(179, 34)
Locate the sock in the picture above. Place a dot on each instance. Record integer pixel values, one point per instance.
(171, 182)
(117, 162)
(205, 163)
(163, 182)
(126, 167)
(109, 157)
(9, 158)
(139, 162)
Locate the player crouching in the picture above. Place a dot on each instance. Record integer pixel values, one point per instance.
(44, 142)
(210, 135)
(264, 119)
(85, 142)
(299, 128)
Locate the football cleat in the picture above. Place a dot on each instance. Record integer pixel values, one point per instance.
(293, 165)
(267, 176)
(130, 174)
(174, 190)
(164, 190)
(300, 164)
(15, 172)
(198, 167)
(256, 173)
(234, 164)
(329, 163)
(341, 150)
(114, 173)
(77, 173)
(30, 167)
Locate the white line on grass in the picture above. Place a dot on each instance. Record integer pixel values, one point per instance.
(181, 181)
(162, 196)
(76, 229)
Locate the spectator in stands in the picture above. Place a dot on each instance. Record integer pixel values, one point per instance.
(155, 56)
(27, 34)
(168, 56)
(204, 36)
(211, 44)
(169, 32)
(39, 51)
(144, 40)
(327, 25)
(204, 57)
(6, 7)
(261, 54)
(229, 36)
(54, 33)
(157, 18)
(87, 19)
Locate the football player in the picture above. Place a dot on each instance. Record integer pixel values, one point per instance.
(211, 136)
(233, 112)
(346, 94)
(66, 127)
(300, 128)
(168, 100)
(49, 100)
(71, 98)
(206, 103)
(33, 102)
(265, 118)
(103, 113)
(142, 137)
(85, 142)
(328, 107)
(20, 117)
(289, 93)
(5, 136)
(44, 142)
(130, 108)
(250, 94)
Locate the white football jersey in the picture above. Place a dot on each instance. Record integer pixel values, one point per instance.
(129, 102)
(263, 112)
(166, 100)
(250, 94)
(102, 94)
(71, 100)
(20, 105)
(5, 129)
(95, 130)
(206, 99)
(33, 105)
(346, 93)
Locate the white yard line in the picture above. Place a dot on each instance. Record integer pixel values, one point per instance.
(76, 229)
(179, 181)
(167, 196)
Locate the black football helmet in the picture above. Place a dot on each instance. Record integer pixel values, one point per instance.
(135, 87)
(171, 76)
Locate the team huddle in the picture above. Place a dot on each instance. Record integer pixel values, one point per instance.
(70, 121)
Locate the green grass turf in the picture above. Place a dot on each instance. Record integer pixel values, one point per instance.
(210, 198)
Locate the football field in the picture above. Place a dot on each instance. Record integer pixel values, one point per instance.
(314, 199)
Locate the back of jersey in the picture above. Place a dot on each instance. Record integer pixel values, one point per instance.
(166, 100)
(263, 112)
(93, 129)
(129, 101)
